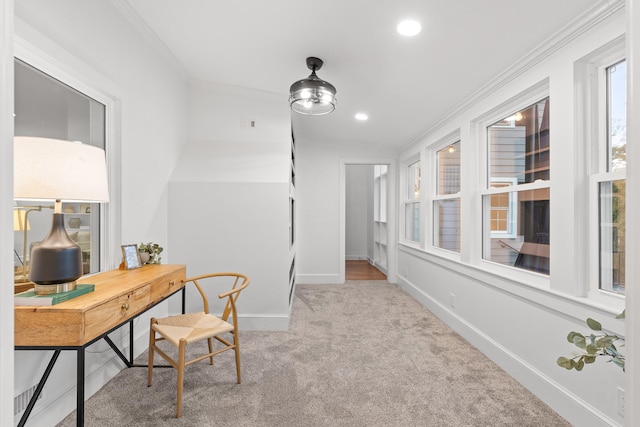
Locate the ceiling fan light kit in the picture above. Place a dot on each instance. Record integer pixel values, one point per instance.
(313, 96)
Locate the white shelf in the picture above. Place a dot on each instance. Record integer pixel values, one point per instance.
(380, 207)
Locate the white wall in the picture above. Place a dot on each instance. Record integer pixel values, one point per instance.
(91, 41)
(6, 201)
(229, 194)
(359, 212)
(522, 323)
(320, 189)
(632, 376)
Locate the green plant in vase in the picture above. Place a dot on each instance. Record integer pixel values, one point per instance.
(150, 252)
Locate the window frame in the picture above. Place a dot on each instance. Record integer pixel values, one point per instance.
(110, 213)
(434, 198)
(596, 127)
(413, 202)
(524, 99)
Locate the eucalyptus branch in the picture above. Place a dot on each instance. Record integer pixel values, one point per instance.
(593, 346)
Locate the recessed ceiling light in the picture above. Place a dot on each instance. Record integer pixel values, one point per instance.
(409, 28)
(362, 117)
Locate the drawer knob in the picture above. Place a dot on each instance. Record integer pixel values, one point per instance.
(125, 306)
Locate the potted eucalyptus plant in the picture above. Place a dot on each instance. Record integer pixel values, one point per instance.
(150, 253)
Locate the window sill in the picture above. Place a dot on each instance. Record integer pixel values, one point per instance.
(410, 244)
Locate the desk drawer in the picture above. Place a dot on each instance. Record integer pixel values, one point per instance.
(167, 285)
(114, 312)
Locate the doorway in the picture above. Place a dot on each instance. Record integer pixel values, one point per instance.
(362, 270)
(366, 221)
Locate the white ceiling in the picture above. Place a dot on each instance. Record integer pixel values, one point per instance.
(405, 85)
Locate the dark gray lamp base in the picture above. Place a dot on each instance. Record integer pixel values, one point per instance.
(56, 262)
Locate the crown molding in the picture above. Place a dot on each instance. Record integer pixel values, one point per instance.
(561, 38)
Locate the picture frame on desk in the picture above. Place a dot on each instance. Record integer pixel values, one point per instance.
(131, 257)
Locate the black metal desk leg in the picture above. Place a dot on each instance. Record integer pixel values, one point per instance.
(39, 388)
(80, 387)
(130, 343)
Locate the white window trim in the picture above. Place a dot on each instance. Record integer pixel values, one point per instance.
(405, 201)
(595, 292)
(592, 72)
(601, 120)
(432, 196)
(523, 100)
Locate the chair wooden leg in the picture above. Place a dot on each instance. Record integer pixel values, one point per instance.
(152, 343)
(181, 357)
(236, 341)
(210, 342)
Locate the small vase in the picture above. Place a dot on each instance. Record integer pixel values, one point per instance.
(144, 257)
(74, 222)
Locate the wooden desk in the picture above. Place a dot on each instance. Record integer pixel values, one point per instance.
(119, 297)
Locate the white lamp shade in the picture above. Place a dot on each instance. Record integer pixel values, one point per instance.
(52, 169)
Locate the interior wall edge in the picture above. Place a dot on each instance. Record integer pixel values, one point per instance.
(6, 214)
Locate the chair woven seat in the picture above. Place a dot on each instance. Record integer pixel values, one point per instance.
(191, 327)
(185, 329)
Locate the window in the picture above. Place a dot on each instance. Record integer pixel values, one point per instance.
(446, 201)
(608, 183)
(504, 210)
(412, 203)
(46, 107)
(516, 198)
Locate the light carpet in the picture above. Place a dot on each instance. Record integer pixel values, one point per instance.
(360, 354)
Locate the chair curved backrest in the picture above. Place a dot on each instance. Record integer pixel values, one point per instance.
(240, 281)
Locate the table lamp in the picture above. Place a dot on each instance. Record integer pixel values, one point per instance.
(52, 169)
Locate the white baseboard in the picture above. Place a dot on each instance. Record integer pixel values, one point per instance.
(379, 267)
(318, 279)
(569, 406)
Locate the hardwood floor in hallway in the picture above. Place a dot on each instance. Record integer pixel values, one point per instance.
(362, 270)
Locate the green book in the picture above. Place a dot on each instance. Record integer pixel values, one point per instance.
(30, 298)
